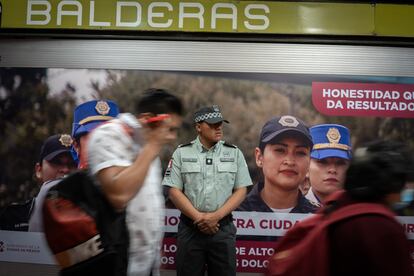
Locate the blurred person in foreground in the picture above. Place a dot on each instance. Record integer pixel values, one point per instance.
(123, 157)
(86, 117)
(330, 157)
(207, 180)
(355, 232)
(283, 155)
(370, 244)
(55, 161)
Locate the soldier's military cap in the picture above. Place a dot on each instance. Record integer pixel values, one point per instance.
(209, 114)
(331, 140)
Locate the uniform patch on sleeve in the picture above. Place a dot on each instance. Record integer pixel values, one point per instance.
(169, 167)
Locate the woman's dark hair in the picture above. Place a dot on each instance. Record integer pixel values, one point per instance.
(378, 169)
(159, 101)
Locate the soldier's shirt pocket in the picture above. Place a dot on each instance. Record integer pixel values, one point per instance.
(191, 172)
(227, 172)
(188, 167)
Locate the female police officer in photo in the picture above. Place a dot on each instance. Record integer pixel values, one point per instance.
(207, 179)
(330, 158)
(283, 156)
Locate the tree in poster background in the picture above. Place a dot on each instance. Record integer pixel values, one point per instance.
(28, 115)
(247, 104)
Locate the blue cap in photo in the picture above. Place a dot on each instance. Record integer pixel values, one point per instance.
(90, 114)
(331, 140)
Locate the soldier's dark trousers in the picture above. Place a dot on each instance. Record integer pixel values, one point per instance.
(198, 252)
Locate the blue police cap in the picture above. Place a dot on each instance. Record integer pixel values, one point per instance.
(331, 140)
(90, 114)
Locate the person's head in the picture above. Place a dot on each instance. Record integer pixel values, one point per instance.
(284, 152)
(209, 125)
(55, 159)
(330, 157)
(155, 102)
(379, 171)
(86, 117)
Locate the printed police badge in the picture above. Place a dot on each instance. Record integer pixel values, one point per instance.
(288, 121)
(102, 107)
(66, 140)
(333, 135)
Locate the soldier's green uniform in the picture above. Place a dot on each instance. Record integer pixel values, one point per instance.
(207, 177)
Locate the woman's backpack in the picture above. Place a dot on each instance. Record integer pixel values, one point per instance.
(87, 236)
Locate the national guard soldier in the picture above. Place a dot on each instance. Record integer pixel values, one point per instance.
(330, 158)
(207, 180)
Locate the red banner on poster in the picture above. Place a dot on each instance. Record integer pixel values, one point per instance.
(252, 256)
(257, 233)
(363, 99)
(168, 251)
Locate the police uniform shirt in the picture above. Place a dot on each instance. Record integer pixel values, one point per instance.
(207, 177)
(310, 195)
(254, 202)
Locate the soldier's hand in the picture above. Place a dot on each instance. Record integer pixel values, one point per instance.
(208, 223)
(209, 231)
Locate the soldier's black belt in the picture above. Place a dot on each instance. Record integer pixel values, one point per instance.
(189, 222)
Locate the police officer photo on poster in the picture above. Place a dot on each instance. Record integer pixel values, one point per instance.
(273, 119)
